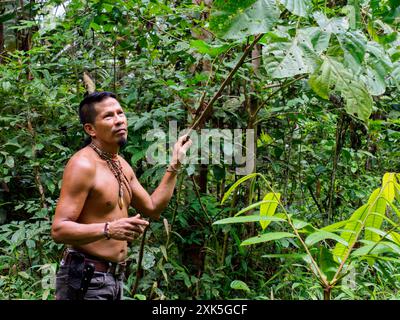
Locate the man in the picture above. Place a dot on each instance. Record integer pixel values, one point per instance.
(92, 212)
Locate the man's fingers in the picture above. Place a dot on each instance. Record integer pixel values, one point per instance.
(183, 139)
(134, 220)
(187, 145)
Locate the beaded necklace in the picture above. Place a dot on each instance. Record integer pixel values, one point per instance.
(115, 166)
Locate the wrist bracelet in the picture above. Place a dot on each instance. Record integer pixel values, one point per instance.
(171, 168)
(106, 231)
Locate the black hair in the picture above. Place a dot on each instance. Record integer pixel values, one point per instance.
(87, 112)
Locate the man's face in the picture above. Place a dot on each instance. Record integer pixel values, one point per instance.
(110, 124)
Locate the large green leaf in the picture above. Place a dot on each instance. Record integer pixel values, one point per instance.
(333, 76)
(206, 48)
(268, 208)
(319, 38)
(396, 72)
(298, 7)
(287, 59)
(327, 263)
(376, 85)
(377, 67)
(322, 235)
(374, 248)
(354, 226)
(267, 237)
(388, 186)
(251, 218)
(395, 237)
(232, 19)
(335, 226)
(353, 44)
(374, 219)
(333, 25)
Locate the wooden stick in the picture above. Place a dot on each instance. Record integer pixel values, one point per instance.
(197, 121)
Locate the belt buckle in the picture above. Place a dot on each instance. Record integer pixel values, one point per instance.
(109, 269)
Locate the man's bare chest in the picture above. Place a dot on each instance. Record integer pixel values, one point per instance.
(107, 187)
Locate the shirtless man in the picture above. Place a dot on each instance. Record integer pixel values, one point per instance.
(92, 211)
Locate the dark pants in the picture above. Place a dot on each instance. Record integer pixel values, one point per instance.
(102, 286)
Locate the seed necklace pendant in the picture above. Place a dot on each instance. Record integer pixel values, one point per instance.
(115, 167)
(120, 197)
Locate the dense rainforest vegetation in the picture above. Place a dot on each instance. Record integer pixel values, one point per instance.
(316, 81)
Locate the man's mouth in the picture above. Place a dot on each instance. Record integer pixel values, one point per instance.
(120, 131)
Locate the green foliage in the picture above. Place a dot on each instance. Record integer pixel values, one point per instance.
(314, 64)
(328, 266)
(333, 77)
(238, 19)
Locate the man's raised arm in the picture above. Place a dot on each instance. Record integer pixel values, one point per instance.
(153, 205)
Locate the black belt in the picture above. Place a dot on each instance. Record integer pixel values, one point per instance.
(100, 265)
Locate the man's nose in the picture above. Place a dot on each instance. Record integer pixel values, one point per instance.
(119, 119)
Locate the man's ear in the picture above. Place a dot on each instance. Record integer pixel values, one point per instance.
(89, 129)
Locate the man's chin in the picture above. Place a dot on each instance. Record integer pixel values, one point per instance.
(122, 142)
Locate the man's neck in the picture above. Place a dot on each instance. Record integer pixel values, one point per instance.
(108, 148)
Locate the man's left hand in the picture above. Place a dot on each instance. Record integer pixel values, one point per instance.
(179, 152)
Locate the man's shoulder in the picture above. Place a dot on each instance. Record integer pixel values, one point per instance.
(82, 160)
(125, 164)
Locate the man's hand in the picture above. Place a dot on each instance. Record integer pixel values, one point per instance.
(127, 229)
(179, 152)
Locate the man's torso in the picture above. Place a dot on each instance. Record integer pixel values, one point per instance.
(101, 205)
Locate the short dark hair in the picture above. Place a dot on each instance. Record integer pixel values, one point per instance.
(87, 112)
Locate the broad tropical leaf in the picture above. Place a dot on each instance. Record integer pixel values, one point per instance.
(376, 248)
(268, 208)
(395, 237)
(374, 219)
(287, 59)
(375, 84)
(232, 19)
(388, 186)
(354, 224)
(396, 72)
(333, 25)
(322, 235)
(378, 66)
(298, 7)
(335, 226)
(332, 76)
(327, 263)
(267, 237)
(353, 45)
